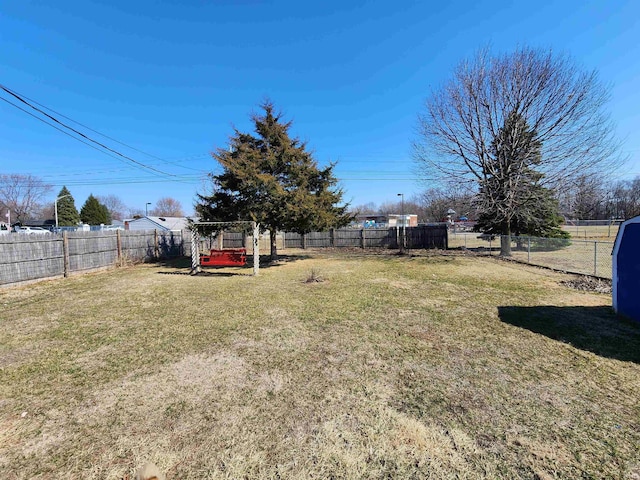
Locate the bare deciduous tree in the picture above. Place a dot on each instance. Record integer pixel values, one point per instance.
(560, 102)
(22, 195)
(436, 203)
(168, 207)
(114, 204)
(363, 209)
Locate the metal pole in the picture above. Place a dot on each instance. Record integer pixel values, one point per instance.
(55, 206)
(402, 245)
(528, 249)
(595, 258)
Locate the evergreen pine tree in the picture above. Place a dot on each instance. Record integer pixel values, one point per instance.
(273, 180)
(94, 213)
(68, 215)
(511, 199)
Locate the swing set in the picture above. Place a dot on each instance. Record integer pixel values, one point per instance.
(222, 257)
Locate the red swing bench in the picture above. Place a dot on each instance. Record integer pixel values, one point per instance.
(228, 257)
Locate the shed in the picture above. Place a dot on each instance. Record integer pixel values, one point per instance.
(626, 269)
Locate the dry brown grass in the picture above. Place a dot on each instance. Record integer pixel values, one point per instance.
(604, 233)
(392, 367)
(588, 257)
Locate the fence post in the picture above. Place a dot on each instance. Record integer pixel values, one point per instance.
(332, 237)
(65, 253)
(490, 245)
(304, 241)
(118, 246)
(528, 249)
(595, 259)
(362, 238)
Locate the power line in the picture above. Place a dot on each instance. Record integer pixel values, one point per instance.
(165, 161)
(123, 181)
(13, 92)
(57, 128)
(126, 157)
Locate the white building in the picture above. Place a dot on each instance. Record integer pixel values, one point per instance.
(166, 224)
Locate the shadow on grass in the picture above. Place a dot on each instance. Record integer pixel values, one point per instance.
(182, 266)
(595, 329)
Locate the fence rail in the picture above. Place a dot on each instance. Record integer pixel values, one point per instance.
(585, 257)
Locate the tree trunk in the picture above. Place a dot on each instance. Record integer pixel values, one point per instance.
(505, 243)
(274, 246)
(519, 240)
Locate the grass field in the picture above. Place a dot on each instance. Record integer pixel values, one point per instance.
(606, 233)
(385, 367)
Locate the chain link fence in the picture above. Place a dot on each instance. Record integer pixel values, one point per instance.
(586, 257)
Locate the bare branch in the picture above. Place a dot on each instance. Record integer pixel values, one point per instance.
(22, 194)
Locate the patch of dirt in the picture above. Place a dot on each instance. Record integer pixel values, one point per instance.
(588, 284)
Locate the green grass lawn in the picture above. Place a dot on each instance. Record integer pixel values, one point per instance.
(388, 367)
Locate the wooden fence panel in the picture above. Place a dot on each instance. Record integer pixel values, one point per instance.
(138, 245)
(171, 244)
(427, 236)
(317, 240)
(380, 238)
(347, 238)
(292, 240)
(91, 250)
(233, 239)
(29, 257)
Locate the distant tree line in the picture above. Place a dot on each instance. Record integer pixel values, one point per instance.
(25, 198)
(583, 199)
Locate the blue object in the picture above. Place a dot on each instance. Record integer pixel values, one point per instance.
(626, 270)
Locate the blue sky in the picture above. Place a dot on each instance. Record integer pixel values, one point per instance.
(173, 78)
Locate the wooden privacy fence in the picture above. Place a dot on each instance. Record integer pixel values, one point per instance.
(424, 236)
(32, 257)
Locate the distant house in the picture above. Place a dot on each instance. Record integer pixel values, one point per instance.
(165, 224)
(386, 220)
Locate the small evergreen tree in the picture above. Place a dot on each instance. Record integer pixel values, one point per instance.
(68, 215)
(273, 180)
(511, 198)
(94, 213)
